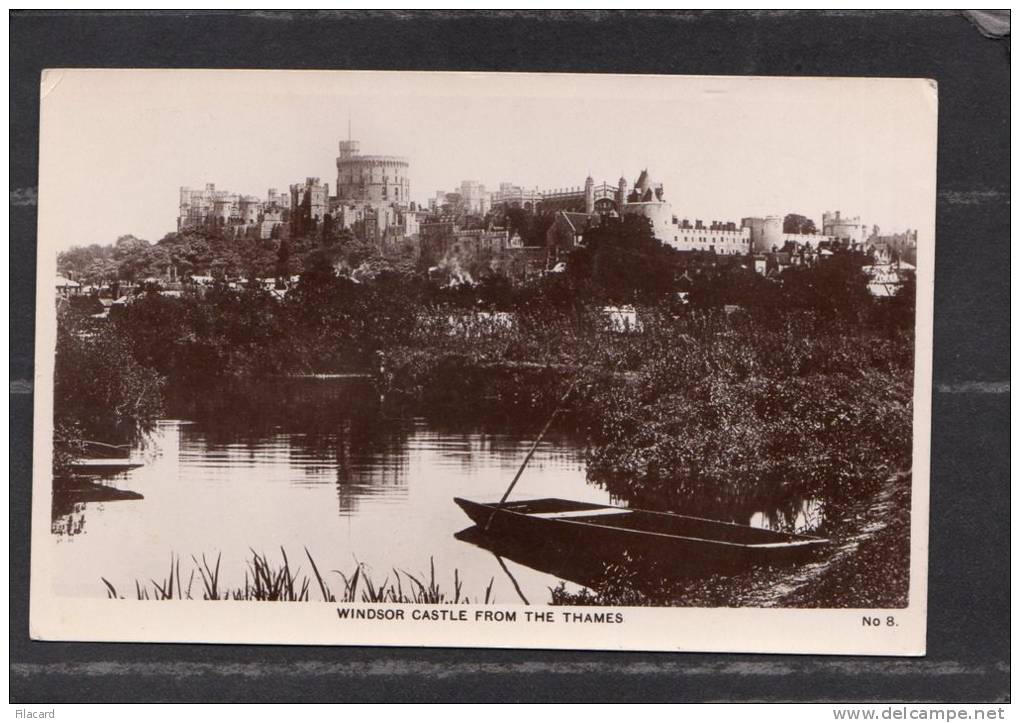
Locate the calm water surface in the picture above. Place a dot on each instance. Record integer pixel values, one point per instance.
(326, 465)
(317, 464)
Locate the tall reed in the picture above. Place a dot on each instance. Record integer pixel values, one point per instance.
(266, 580)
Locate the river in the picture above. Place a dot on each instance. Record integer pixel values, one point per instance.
(325, 464)
(316, 464)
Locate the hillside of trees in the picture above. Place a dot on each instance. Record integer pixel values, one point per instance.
(213, 253)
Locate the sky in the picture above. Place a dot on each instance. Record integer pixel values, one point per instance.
(116, 146)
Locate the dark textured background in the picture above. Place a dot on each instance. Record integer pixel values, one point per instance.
(968, 638)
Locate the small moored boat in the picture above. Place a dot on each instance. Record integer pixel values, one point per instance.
(567, 527)
(103, 466)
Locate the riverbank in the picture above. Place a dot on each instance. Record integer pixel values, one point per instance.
(725, 417)
(868, 566)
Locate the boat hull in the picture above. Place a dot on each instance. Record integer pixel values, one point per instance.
(102, 467)
(666, 542)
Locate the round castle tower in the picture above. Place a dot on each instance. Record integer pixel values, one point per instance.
(375, 179)
(772, 234)
(647, 200)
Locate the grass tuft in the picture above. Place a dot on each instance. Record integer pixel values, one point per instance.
(269, 581)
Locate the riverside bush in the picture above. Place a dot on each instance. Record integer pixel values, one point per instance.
(725, 410)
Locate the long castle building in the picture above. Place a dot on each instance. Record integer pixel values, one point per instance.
(580, 207)
(209, 208)
(373, 192)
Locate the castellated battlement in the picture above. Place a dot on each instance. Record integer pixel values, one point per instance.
(844, 227)
(349, 148)
(767, 232)
(835, 217)
(237, 214)
(374, 160)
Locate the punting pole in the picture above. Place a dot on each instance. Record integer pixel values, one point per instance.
(534, 446)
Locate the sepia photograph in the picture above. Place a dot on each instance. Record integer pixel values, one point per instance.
(484, 359)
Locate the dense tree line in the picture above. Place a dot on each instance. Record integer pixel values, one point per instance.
(620, 262)
(223, 256)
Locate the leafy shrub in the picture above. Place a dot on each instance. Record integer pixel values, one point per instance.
(101, 392)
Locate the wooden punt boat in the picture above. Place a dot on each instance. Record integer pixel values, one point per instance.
(103, 466)
(566, 527)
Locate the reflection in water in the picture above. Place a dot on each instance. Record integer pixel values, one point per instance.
(68, 518)
(581, 566)
(586, 559)
(796, 515)
(320, 464)
(67, 514)
(316, 464)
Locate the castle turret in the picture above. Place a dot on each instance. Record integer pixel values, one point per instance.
(248, 208)
(643, 186)
(349, 149)
(589, 195)
(222, 210)
(621, 194)
(848, 228)
(772, 234)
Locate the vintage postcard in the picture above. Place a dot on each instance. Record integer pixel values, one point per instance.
(482, 359)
